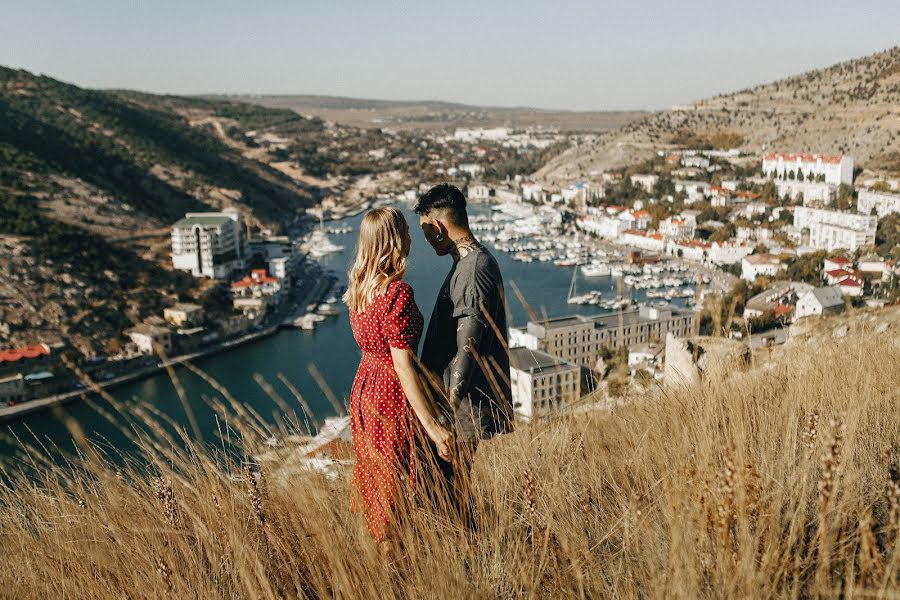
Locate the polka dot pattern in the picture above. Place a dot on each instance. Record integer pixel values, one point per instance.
(381, 419)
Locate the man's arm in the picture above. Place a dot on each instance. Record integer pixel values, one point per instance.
(471, 333)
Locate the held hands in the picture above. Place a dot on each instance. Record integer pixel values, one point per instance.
(442, 438)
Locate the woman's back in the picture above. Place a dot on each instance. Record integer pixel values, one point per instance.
(392, 320)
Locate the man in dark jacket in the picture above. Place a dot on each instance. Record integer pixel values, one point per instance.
(465, 351)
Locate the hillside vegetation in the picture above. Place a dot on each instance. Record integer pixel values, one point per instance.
(90, 182)
(779, 482)
(852, 107)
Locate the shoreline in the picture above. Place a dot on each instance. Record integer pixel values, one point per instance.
(11, 413)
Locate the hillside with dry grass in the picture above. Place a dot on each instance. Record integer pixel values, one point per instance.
(852, 107)
(781, 481)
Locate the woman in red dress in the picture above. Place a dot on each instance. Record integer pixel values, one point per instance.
(386, 392)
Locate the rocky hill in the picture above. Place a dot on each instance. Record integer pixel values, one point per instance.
(852, 107)
(89, 183)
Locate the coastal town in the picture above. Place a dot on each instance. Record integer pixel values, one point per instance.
(690, 243)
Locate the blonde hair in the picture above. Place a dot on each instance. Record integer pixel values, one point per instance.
(379, 257)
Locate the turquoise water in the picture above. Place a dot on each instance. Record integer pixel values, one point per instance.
(330, 348)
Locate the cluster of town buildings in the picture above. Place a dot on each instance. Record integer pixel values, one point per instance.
(551, 360)
(214, 245)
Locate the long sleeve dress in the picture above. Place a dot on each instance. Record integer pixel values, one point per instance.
(381, 419)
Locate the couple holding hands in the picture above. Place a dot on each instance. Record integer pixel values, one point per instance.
(416, 421)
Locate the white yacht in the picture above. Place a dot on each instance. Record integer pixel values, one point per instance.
(595, 269)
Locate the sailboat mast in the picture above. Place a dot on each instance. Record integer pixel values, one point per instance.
(572, 284)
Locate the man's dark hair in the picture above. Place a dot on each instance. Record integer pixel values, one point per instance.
(444, 197)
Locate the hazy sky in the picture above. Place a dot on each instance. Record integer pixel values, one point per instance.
(553, 54)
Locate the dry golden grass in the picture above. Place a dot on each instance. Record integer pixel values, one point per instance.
(779, 482)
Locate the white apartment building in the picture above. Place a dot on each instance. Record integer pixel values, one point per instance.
(208, 244)
(580, 340)
(541, 384)
(697, 162)
(582, 193)
(677, 227)
(647, 181)
(605, 227)
(810, 191)
(477, 134)
(635, 219)
(760, 264)
(826, 168)
(693, 190)
(532, 191)
(729, 252)
(830, 229)
(882, 203)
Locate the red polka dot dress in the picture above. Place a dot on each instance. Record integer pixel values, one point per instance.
(381, 419)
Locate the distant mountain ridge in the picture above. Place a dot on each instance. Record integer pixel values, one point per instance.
(346, 102)
(852, 108)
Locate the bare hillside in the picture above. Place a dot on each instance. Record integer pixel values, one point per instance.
(851, 107)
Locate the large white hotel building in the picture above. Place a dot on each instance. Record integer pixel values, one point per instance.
(826, 168)
(208, 244)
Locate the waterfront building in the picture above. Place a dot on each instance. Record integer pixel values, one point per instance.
(208, 244)
(24, 360)
(148, 338)
(826, 168)
(12, 389)
(580, 339)
(652, 242)
(831, 229)
(541, 383)
(580, 194)
(533, 192)
(183, 313)
(728, 252)
(604, 227)
(254, 293)
(280, 267)
(819, 301)
(881, 203)
(694, 250)
(756, 265)
(810, 191)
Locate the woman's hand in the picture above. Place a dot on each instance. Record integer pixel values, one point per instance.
(442, 438)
